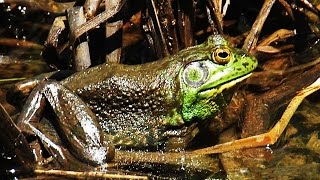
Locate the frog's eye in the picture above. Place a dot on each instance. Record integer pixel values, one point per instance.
(195, 74)
(221, 55)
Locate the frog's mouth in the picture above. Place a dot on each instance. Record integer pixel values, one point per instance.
(224, 86)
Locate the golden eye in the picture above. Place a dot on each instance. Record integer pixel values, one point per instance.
(221, 55)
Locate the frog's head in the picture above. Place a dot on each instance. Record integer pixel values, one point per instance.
(210, 69)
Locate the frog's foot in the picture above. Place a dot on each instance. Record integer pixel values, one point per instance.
(75, 122)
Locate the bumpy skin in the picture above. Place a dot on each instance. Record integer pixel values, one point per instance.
(132, 103)
(143, 105)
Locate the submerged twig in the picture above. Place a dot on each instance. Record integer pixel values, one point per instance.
(183, 159)
(89, 174)
(19, 43)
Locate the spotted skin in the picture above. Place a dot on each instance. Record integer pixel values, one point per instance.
(138, 105)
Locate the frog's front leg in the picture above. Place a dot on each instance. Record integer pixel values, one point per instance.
(75, 122)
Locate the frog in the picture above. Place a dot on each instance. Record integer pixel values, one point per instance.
(117, 106)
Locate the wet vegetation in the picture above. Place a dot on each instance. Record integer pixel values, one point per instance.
(45, 35)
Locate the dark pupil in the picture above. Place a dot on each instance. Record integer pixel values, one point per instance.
(223, 54)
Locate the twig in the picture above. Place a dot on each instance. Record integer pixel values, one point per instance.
(287, 7)
(217, 15)
(8, 80)
(57, 27)
(277, 35)
(100, 18)
(271, 136)
(89, 174)
(19, 43)
(154, 27)
(295, 68)
(82, 55)
(311, 7)
(183, 159)
(91, 7)
(252, 38)
(225, 8)
(111, 29)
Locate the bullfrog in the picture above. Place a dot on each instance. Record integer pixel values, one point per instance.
(138, 106)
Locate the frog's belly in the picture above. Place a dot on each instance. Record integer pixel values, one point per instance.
(133, 130)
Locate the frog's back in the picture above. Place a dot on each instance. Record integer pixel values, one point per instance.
(130, 102)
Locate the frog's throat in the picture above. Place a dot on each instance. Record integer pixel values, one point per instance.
(224, 86)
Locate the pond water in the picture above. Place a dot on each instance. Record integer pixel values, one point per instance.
(295, 156)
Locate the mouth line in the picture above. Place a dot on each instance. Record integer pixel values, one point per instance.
(225, 85)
